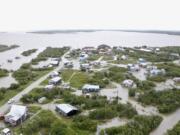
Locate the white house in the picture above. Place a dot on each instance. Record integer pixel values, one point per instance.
(176, 79)
(54, 63)
(42, 100)
(66, 109)
(90, 88)
(17, 114)
(85, 66)
(124, 57)
(68, 64)
(83, 57)
(6, 131)
(128, 83)
(49, 87)
(55, 80)
(155, 72)
(133, 67)
(54, 74)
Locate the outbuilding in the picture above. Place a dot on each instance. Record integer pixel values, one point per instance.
(55, 80)
(66, 109)
(128, 83)
(6, 131)
(54, 74)
(90, 88)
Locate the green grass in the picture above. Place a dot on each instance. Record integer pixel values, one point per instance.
(79, 79)
(67, 73)
(34, 109)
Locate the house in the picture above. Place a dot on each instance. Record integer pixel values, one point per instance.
(68, 64)
(83, 57)
(128, 83)
(124, 57)
(17, 114)
(141, 60)
(176, 79)
(66, 109)
(54, 63)
(42, 100)
(90, 88)
(54, 74)
(6, 131)
(49, 87)
(85, 67)
(133, 67)
(55, 81)
(89, 49)
(155, 72)
(104, 49)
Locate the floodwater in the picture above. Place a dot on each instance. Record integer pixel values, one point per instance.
(7, 81)
(76, 40)
(111, 123)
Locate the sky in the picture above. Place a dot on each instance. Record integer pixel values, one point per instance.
(30, 15)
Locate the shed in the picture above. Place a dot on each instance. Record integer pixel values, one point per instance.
(6, 131)
(66, 109)
(54, 74)
(90, 88)
(55, 81)
(128, 83)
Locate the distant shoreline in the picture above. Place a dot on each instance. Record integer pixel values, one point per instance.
(168, 32)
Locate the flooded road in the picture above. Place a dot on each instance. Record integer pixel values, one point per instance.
(111, 123)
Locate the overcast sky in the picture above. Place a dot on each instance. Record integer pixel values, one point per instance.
(28, 15)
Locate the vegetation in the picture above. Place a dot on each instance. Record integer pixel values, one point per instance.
(37, 93)
(175, 130)
(50, 52)
(141, 125)
(166, 101)
(152, 56)
(3, 72)
(28, 52)
(172, 70)
(5, 47)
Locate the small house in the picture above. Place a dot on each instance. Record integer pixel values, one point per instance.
(68, 64)
(133, 67)
(42, 100)
(90, 88)
(66, 109)
(49, 87)
(176, 79)
(54, 74)
(155, 72)
(54, 63)
(55, 81)
(6, 131)
(17, 114)
(124, 57)
(89, 49)
(83, 57)
(85, 67)
(128, 83)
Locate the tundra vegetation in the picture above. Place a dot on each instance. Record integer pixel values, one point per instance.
(28, 52)
(166, 101)
(50, 52)
(5, 47)
(3, 72)
(140, 125)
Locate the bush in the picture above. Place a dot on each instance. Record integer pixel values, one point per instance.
(132, 92)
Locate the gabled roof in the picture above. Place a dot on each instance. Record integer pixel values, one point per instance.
(17, 111)
(66, 108)
(89, 86)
